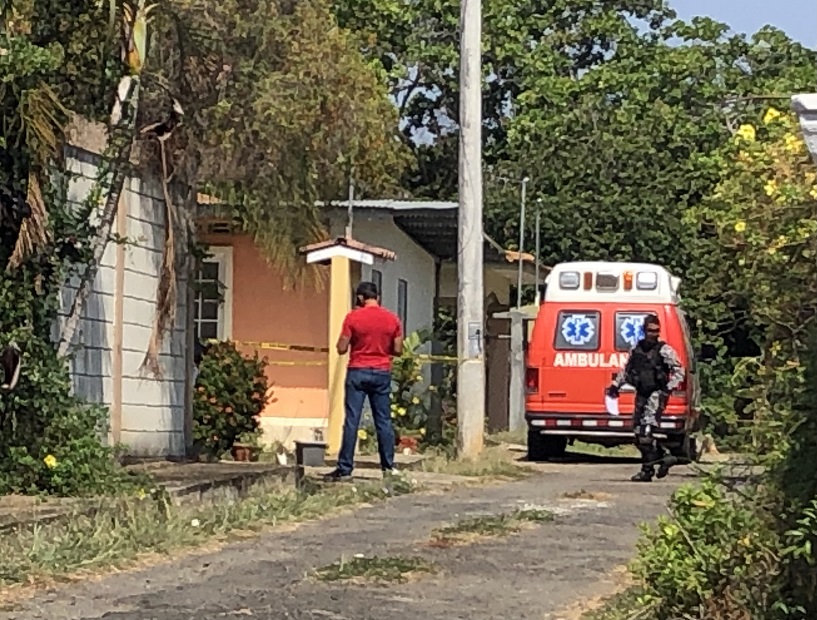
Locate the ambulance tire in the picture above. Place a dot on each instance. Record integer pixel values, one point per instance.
(688, 450)
(544, 447)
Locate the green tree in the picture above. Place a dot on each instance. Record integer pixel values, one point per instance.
(281, 109)
(524, 41)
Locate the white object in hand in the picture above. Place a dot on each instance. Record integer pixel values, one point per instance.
(611, 404)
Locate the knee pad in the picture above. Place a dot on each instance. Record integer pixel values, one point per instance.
(643, 435)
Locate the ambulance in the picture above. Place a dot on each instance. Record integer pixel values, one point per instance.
(591, 317)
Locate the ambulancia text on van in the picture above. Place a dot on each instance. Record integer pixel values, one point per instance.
(590, 319)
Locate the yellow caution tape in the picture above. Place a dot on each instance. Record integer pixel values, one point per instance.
(276, 346)
(279, 346)
(291, 363)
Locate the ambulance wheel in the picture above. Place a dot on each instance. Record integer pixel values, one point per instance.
(543, 447)
(687, 450)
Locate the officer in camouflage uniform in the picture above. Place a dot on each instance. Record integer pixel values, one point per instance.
(654, 370)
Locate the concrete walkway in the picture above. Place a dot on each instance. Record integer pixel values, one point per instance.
(539, 573)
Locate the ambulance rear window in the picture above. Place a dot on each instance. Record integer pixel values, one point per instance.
(577, 330)
(629, 329)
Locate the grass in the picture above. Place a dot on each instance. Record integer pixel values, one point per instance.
(587, 495)
(617, 451)
(488, 526)
(494, 462)
(627, 604)
(116, 533)
(393, 569)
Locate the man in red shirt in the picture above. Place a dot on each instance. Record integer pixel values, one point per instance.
(372, 336)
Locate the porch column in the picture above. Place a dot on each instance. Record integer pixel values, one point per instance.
(340, 292)
(339, 255)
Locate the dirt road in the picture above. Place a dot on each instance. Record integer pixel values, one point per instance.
(536, 573)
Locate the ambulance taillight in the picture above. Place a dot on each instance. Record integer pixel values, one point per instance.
(588, 280)
(532, 380)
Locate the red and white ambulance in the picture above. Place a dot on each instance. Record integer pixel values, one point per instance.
(590, 319)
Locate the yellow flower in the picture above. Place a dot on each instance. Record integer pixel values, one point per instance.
(140, 494)
(770, 116)
(418, 378)
(791, 143)
(772, 251)
(432, 388)
(401, 411)
(740, 226)
(50, 461)
(415, 401)
(422, 432)
(811, 177)
(813, 193)
(747, 133)
(770, 187)
(362, 434)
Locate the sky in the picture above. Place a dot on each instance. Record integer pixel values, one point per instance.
(798, 18)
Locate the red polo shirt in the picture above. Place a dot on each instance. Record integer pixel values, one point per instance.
(371, 331)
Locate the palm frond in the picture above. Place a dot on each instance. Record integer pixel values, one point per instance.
(34, 233)
(167, 293)
(43, 119)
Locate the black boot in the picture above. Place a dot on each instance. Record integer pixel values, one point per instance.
(667, 462)
(645, 475)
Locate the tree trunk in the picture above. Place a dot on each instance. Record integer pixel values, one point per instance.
(120, 147)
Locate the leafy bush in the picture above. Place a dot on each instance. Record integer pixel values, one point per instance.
(411, 400)
(50, 441)
(231, 392)
(715, 554)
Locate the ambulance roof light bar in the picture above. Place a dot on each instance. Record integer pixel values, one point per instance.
(607, 281)
(569, 280)
(646, 280)
(602, 280)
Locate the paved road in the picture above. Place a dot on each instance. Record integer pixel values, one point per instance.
(533, 574)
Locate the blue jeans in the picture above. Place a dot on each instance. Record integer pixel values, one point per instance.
(376, 384)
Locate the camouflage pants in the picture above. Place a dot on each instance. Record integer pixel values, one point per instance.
(646, 420)
(648, 409)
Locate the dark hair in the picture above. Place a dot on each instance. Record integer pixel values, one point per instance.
(367, 290)
(651, 319)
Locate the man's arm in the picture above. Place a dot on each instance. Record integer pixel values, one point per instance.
(675, 369)
(345, 337)
(397, 342)
(624, 375)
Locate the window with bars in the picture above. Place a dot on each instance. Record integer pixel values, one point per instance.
(213, 299)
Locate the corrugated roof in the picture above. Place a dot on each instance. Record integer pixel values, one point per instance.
(396, 205)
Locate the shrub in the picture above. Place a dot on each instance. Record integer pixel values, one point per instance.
(411, 400)
(50, 441)
(231, 392)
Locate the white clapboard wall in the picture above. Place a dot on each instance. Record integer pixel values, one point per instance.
(147, 414)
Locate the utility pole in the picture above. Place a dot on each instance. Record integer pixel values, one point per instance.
(521, 243)
(470, 295)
